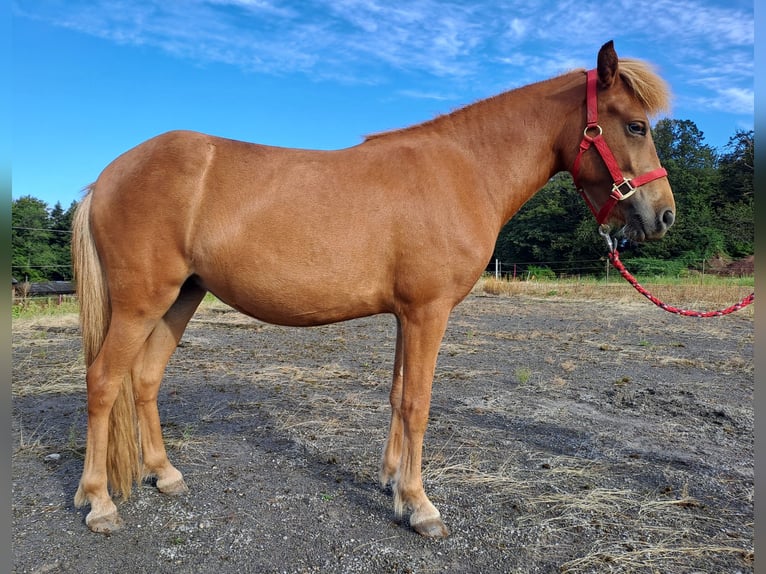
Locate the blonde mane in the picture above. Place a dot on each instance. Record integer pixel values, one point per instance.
(646, 85)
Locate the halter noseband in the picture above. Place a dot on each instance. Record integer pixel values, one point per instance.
(593, 135)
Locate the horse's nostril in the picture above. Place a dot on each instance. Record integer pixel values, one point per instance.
(668, 217)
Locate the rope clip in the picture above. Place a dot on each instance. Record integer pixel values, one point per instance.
(604, 230)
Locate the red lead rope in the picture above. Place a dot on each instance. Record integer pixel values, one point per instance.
(614, 257)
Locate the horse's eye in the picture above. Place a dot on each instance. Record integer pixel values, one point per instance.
(637, 129)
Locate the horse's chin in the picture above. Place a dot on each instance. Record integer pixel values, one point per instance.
(633, 233)
(639, 230)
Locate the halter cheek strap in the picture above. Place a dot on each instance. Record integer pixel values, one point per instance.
(593, 136)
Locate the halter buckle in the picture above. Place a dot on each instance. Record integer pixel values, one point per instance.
(617, 191)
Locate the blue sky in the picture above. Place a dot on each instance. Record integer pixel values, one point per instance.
(92, 79)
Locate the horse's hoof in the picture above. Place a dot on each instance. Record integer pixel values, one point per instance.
(431, 528)
(172, 487)
(106, 524)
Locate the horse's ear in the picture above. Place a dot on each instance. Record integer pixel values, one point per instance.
(607, 65)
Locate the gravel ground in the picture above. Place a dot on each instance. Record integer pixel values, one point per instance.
(565, 436)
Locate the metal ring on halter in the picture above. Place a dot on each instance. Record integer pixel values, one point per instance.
(596, 127)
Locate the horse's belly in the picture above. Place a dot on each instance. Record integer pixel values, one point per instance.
(300, 301)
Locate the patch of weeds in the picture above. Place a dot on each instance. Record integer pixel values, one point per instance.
(523, 374)
(72, 443)
(35, 307)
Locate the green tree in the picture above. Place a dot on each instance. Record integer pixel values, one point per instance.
(691, 166)
(33, 256)
(553, 228)
(734, 200)
(61, 240)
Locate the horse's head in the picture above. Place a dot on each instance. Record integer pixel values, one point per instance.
(617, 169)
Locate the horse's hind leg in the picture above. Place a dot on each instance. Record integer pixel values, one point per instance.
(111, 452)
(105, 381)
(148, 370)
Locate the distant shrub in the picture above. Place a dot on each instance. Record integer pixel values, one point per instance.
(649, 267)
(535, 272)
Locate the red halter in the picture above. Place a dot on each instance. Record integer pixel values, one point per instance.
(622, 188)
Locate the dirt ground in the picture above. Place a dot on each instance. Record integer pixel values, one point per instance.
(564, 436)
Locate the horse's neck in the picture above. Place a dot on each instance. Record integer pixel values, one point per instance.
(517, 137)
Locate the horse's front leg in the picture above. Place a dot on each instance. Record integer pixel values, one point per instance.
(392, 454)
(421, 332)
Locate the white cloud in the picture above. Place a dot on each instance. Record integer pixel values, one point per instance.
(258, 6)
(697, 22)
(517, 28)
(732, 100)
(707, 46)
(424, 95)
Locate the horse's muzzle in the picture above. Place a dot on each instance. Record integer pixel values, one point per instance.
(641, 228)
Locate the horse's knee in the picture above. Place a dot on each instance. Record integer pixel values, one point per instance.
(102, 391)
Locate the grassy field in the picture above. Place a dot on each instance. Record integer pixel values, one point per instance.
(29, 307)
(703, 293)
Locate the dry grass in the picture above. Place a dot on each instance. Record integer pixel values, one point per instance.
(692, 293)
(565, 500)
(44, 369)
(654, 558)
(708, 292)
(629, 530)
(69, 377)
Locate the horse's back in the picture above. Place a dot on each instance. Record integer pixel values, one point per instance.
(290, 236)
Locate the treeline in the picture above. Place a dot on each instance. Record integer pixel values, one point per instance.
(40, 240)
(553, 232)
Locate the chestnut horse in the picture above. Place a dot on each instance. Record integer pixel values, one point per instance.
(301, 237)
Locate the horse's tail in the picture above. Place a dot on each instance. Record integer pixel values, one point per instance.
(123, 451)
